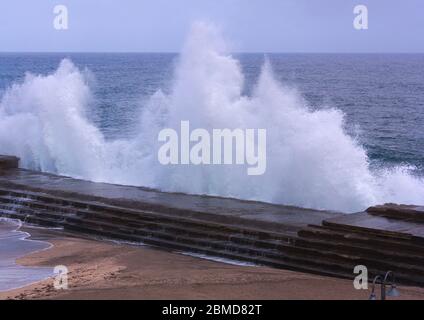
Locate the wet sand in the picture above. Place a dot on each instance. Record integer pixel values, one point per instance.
(107, 270)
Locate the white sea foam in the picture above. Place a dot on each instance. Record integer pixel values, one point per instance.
(219, 259)
(311, 160)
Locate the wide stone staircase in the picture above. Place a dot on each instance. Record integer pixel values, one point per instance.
(379, 240)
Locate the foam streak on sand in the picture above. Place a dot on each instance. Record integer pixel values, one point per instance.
(311, 160)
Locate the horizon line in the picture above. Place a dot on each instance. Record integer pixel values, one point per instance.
(235, 52)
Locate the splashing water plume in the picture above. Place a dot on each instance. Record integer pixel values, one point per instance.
(311, 160)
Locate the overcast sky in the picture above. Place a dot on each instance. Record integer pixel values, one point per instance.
(251, 25)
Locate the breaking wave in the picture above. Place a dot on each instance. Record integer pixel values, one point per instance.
(311, 160)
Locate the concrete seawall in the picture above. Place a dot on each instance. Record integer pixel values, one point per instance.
(8, 162)
(382, 238)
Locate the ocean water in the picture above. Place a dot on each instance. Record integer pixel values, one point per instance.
(14, 244)
(344, 131)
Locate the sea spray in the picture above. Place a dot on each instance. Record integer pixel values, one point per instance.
(311, 160)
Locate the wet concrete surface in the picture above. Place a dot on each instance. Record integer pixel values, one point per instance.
(136, 197)
(380, 224)
(309, 235)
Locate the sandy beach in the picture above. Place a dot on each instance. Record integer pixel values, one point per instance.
(289, 134)
(107, 270)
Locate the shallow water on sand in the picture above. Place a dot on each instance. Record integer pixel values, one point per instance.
(13, 245)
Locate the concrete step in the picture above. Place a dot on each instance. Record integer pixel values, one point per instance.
(399, 212)
(369, 255)
(367, 243)
(330, 249)
(152, 227)
(210, 251)
(30, 219)
(205, 246)
(66, 205)
(80, 201)
(313, 264)
(386, 228)
(203, 233)
(171, 225)
(293, 250)
(403, 242)
(8, 162)
(277, 251)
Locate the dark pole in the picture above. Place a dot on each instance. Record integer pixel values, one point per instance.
(383, 289)
(374, 282)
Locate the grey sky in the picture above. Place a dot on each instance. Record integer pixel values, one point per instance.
(251, 25)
